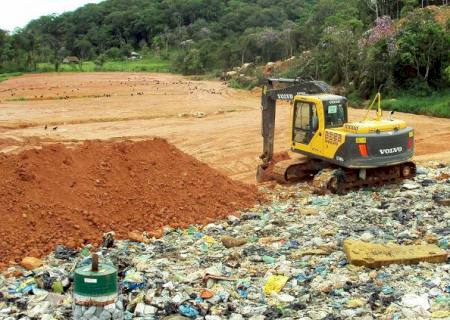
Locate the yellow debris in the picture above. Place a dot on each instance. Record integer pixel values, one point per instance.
(355, 303)
(308, 212)
(275, 284)
(375, 255)
(209, 240)
(441, 314)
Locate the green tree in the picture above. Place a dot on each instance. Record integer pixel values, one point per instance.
(84, 49)
(338, 50)
(422, 43)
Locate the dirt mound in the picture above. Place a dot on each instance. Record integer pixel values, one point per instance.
(71, 195)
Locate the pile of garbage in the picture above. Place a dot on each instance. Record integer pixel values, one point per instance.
(279, 260)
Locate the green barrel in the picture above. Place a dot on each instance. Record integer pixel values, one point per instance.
(90, 283)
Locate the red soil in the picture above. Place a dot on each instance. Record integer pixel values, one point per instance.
(72, 195)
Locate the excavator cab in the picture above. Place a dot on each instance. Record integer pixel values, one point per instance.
(311, 116)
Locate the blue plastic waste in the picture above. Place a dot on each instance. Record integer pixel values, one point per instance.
(188, 311)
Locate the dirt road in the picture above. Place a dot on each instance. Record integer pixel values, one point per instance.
(70, 107)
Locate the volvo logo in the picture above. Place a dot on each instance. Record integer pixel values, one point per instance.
(391, 150)
(285, 96)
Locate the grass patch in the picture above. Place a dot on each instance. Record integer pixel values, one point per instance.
(151, 64)
(438, 104)
(6, 76)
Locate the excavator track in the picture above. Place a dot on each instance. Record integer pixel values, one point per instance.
(343, 180)
(335, 179)
(292, 170)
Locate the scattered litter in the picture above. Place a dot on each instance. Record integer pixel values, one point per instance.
(62, 252)
(290, 258)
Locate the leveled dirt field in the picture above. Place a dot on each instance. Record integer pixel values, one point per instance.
(68, 107)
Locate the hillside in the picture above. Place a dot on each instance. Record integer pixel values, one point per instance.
(357, 44)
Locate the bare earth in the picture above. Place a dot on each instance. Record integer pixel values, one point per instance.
(82, 106)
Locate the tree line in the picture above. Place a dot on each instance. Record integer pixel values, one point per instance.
(359, 44)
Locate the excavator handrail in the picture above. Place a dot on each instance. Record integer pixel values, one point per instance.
(379, 110)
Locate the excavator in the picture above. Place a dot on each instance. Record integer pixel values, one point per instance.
(336, 154)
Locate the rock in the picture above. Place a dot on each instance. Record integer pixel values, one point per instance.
(55, 299)
(138, 237)
(308, 211)
(39, 310)
(418, 303)
(285, 298)
(90, 312)
(367, 237)
(233, 220)
(105, 315)
(250, 216)
(31, 263)
(198, 114)
(374, 255)
(442, 198)
(230, 242)
(110, 307)
(431, 238)
(421, 170)
(410, 186)
(149, 310)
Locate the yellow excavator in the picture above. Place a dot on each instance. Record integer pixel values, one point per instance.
(337, 154)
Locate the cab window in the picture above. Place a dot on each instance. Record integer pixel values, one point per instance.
(335, 114)
(305, 122)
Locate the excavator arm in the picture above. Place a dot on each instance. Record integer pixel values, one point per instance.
(286, 89)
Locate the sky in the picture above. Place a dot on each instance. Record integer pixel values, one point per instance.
(17, 13)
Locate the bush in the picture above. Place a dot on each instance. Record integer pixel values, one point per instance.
(446, 75)
(126, 50)
(114, 54)
(354, 98)
(190, 62)
(243, 83)
(100, 60)
(418, 87)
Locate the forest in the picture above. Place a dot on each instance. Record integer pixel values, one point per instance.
(356, 44)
